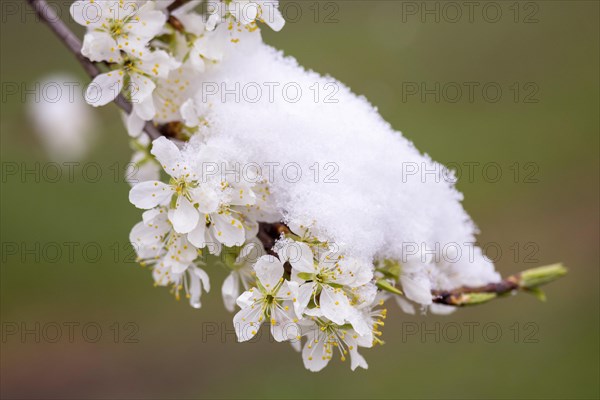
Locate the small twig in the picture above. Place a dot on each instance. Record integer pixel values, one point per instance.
(528, 280)
(49, 16)
(176, 4)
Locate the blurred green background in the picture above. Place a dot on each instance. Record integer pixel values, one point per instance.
(378, 48)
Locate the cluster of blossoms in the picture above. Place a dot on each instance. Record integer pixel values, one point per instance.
(310, 290)
(322, 298)
(156, 57)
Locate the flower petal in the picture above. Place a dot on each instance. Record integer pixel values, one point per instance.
(269, 271)
(141, 89)
(134, 124)
(228, 230)
(334, 304)
(147, 195)
(273, 18)
(104, 88)
(299, 255)
(197, 236)
(185, 216)
(167, 154)
(100, 46)
(314, 356)
(247, 321)
(417, 288)
(230, 291)
(283, 322)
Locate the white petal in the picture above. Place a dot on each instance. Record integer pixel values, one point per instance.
(185, 216)
(212, 22)
(197, 60)
(244, 11)
(334, 304)
(230, 291)
(228, 230)
(273, 18)
(135, 124)
(152, 215)
(195, 292)
(197, 236)
(140, 89)
(151, 21)
(314, 356)
(288, 291)
(149, 194)
(100, 46)
(283, 325)
(249, 297)
(242, 195)
(167, 154)
(206, 199)
(359, 322)
(104, 88)
(417, 288)
(405, 305)
(86, 14)
(441, 309)
(158, 64)
(188, 113)
(142, 235)
(193, 22)
(305, 293)
(204, 278)
(247, 322)
(299, 255)
(356, 360)
(269, 271)
(177, 267)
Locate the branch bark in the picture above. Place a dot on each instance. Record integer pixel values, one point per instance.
(176, 4)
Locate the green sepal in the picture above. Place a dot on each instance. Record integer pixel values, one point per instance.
(477, 298)
(390, 269)
(537, 292)
(307, 276)
(388, 287)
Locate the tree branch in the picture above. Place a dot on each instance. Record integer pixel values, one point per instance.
(49, 16)
(176, 4)
(528, 280)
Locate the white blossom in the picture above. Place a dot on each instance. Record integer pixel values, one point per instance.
(242, 274)
(324, 338)
(140, 74)
(325, 283)
(117, 25)
(272, 300)
(246, 13)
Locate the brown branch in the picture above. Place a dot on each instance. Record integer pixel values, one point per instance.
(176, 4)
(49, 16)
(528, 280)
(463, 295)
